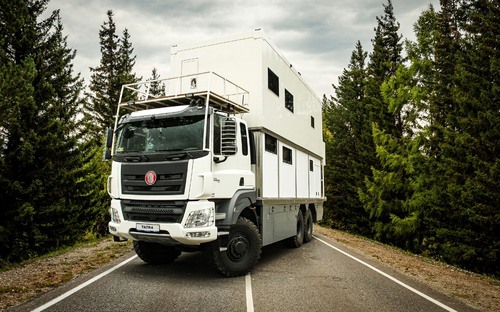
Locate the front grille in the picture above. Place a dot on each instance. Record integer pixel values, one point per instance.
(153, 211)
(171, 178)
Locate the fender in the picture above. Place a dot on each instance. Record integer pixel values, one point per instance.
(233, 207)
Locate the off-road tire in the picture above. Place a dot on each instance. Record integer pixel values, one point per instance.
(308, 226)
(244, 246)
(297, 240)
(154, 253)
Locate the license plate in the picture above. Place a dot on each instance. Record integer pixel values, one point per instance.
(155, 228)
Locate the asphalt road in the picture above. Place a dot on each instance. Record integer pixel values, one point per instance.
(320, 276)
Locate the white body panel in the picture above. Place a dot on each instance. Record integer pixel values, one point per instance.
(315, 177)
(244, 59)
(270, 180)
(287, 180)
(302, 175)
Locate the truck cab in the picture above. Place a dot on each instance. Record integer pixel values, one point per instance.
(179, 162)
(169, 163)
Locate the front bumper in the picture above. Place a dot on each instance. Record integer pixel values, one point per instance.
(164, 233)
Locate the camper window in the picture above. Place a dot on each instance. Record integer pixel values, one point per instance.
(287, 155)
(288, 100)
(273, 82)
(271, 144)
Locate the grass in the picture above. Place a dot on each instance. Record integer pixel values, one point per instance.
(89, 240)
(35, 276)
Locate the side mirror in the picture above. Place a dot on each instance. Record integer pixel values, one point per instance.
(107, 154)
(109, 143)
(109, 137)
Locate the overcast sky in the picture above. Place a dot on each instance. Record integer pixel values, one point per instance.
(316, 36)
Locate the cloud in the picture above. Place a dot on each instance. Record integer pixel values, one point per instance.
(316, 36)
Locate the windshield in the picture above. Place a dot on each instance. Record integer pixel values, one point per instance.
(155, 135)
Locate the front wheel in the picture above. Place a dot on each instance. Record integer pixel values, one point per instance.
(243, 249)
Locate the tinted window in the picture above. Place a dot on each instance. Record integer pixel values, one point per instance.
(287, 155)
(288, 100)
(271, 144)
(273, 82)
(244, 139)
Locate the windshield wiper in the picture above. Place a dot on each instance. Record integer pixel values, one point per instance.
(177, 156)
(141, 157)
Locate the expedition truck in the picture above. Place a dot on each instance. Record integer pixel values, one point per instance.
(225, 156)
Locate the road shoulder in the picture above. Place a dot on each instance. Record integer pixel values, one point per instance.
(475, 290)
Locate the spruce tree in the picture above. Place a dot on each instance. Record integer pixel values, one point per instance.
(156, 88)
(445, 219)
(467, 214)
(39, 158)
(384, 62)
(104, 85)
(93, 193)
(396, 195)
(347, 134)
(126, 62)
(18, 230)
(115, 69)
(478, 96)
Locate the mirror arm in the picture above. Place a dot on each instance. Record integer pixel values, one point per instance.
(217, 160)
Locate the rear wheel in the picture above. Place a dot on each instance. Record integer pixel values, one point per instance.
(243, 249)
(297, 240)
(308, 226)
(154, 253)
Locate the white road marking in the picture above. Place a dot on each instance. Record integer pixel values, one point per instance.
(248, 288)
(81, 286)
(447, 308)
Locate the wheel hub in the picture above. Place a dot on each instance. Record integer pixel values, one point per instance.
(238, 248)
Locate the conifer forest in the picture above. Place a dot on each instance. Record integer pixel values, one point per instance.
(412, 134)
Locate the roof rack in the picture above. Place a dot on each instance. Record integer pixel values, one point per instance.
(210, 87)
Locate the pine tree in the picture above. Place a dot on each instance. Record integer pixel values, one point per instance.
(380, 186)
(347, 134)
(384, 61)
(478, 95)
(39, 158)
(115, 69)
(18, 106)
(104, 85)
(126, 62)
(156, 87)
(446, 219)
(396, 197)
(467, 137)
(93, 193)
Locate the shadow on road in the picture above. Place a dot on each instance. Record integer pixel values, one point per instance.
(195, 265)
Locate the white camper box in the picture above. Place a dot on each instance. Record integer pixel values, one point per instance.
(289, 114)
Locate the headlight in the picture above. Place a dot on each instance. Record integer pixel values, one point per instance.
(200, 218)
(115, 216)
